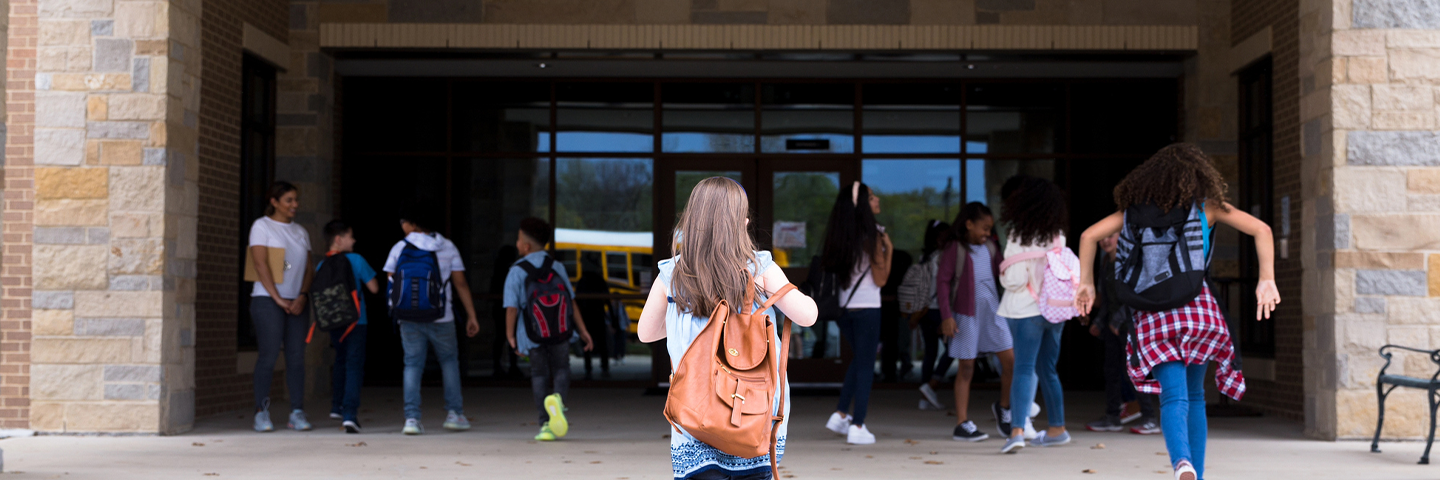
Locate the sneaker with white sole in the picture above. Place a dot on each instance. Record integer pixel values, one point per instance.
(1034, 409)
(839, 423)
(262, 422)
(1105, 424)
(456, 421)
(298, 422)
(859, 435)
(336, 416)
(969, 432)
(929, 393)
(926, 405)
(1030, 429)
(1185, 471)
(351, 426)
(1130, 412)
(555, 407)
(1013, 444)
(1002, 419)
(413, 427)
(1147, 427)
(1043, 439)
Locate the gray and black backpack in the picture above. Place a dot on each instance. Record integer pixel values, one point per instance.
(1161, 259)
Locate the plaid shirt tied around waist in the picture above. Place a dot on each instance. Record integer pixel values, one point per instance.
(1194, 334)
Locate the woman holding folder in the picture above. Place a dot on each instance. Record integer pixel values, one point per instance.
(278, 261)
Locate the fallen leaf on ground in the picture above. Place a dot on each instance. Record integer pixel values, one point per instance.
(934, 453)
(916, 458)
(594, 462)
(869, 456)
(1161, 471)
(1088, 471)
(197, 444)
(934, 462)
(361, 444)
(1098, 446)
(212, 474)
(1161, 453)
(911, 442)
(463, 464)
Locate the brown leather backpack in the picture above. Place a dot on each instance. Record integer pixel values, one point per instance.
(721, 390)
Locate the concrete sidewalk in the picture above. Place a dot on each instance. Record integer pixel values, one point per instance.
(620, 434)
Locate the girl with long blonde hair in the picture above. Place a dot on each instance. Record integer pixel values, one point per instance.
(716, 260)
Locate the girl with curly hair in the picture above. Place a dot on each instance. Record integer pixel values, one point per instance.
(1174, 346)
(1036, 214)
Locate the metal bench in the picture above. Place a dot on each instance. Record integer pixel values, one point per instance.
(1431, 386)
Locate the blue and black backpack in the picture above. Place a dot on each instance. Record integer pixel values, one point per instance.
(417, 292)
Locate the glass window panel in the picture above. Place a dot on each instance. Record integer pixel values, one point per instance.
(990, 175)
(1014, 118)
(911, 118)
(616, 268)
(395, 115)
(1141, 124)
(605, 117)
(912, 193)
(685, 181)
(708, 117)
(605, 195)
(808, 118)
(802, 200)
(501, 117)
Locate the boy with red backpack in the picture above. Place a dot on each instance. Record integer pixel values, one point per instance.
(539, 291)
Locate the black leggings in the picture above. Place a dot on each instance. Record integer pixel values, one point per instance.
(937, 357)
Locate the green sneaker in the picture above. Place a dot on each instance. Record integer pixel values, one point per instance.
(556, 408)
(545, 434)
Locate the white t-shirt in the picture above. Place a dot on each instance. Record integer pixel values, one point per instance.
(445, 253)
(295, 240)
(867, 294)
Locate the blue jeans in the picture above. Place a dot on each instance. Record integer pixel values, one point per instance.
(276, 330)
(1182, 412)
(415, 337)
(1037, 348)
(348, 374)
(860, 328)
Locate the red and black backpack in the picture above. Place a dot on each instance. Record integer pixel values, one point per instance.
(547, 303)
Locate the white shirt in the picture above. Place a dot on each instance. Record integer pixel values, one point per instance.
(867, 294)
(296, 241)
(1017, 301)
(445, 253)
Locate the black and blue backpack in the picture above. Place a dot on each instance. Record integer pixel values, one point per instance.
(547, 303)
(417, 291)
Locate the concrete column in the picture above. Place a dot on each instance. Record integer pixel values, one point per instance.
(1373, 168)
(117, 91)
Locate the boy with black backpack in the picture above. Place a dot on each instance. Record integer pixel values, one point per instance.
(422, 268)
(340, 309)
(539, 290)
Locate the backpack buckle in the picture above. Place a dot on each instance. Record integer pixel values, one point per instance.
(739, 396)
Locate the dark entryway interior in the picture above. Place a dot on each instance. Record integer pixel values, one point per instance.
(618, 156)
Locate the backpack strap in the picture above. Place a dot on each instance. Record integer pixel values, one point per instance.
(855, 288)
(783, 380)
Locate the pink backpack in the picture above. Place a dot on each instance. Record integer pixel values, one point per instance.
(1062, 277)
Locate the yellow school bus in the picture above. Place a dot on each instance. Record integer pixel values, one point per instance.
(625, 258)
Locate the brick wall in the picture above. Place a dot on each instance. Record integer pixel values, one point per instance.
(218, 387)
(19, 205)
(1284, 396)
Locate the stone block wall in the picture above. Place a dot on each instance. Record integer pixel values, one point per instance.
(1374, 159)
(116, 94)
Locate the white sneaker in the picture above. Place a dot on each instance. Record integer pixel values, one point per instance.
(926, 405)
(1030, 430)
(859, 436)
(413, 427)
(839, 423)
(929, 394)
(1034, 409)
(1185, 471)
(336, 416)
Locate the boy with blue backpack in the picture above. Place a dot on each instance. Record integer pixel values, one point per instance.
(339, 308)
(422, 268)
(539, 291)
